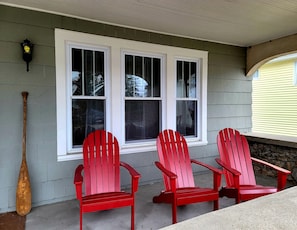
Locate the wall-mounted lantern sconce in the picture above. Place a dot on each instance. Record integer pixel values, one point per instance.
(27, 48)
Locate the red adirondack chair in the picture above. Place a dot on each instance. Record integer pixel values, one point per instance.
(101, 176)
(238, 170)
(176, 168)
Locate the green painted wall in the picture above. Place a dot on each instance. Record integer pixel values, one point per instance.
(229, 102)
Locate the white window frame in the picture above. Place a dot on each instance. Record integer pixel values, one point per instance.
(106, 97)
(115, 93)
(198, 90)
(162, 57)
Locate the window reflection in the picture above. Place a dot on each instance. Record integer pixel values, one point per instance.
(186, 93)
(186, 113)
(94, 87)
(136, 86)
(142, 108)
(87, 116)
(88, 112)
(142, 119)
(87, 72)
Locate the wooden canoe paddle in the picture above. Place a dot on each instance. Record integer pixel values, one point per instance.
(23, 192)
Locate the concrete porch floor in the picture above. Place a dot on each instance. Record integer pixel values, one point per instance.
(65, 215)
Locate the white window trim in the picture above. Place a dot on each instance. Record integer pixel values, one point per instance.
(198, 90)
(144, 145)
(69, 92)
(116, 126)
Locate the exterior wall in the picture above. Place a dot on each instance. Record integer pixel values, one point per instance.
(282, 153)
(274, 99)
(229, 102)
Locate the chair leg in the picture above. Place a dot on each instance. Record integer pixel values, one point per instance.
(174, 215)
(132, 217)
(216, 204)
(237, 199)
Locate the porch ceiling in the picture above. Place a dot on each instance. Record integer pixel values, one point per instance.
(236, 22)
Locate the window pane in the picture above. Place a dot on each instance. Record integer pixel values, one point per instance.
(143, 120)
(87, 116)
(186, 88)
(138, 66)
(87, 80)
(129, 64)
(87, 72)
(193, 80)
(136, 86)
(186, 79)
(142, 76)
(99, 74)
(156, 82)
(76, 72)
(186, 117)
(147, 74)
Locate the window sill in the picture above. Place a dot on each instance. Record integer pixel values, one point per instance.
(130, 149)
(70, 157)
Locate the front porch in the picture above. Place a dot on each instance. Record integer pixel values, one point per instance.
(65, 215)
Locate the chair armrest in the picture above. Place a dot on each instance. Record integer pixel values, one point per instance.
(78, 180)
(215, 170)
(134, 175)
(282, 173)
(165, 171)
(233, 171)
(217, 174)
(277, 168)
(172, 176)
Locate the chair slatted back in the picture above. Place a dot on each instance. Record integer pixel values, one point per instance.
(101, 163)
(234, 151)
(174, 155)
